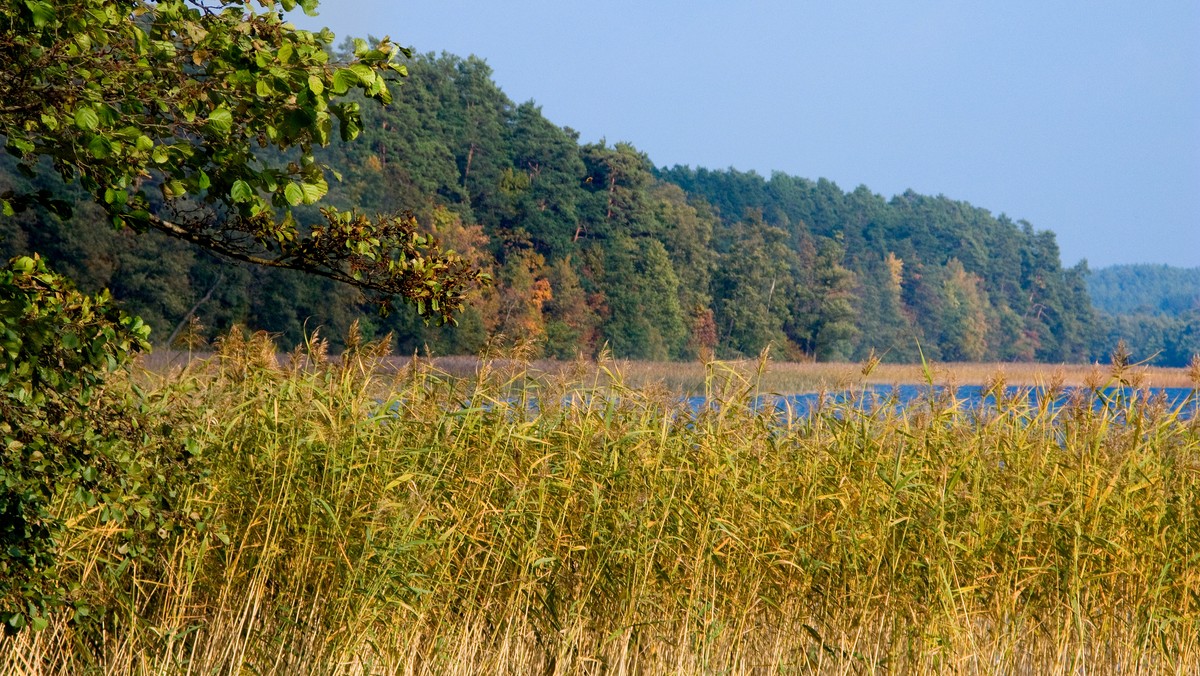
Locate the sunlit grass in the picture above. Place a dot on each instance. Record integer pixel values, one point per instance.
(784, 377)
(378, 518)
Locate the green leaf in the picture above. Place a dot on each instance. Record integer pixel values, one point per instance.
(324, 128)
(315, 85)
(86, 118)
(220, 121)
(202, 180)
(145, 144)
(100, 147)
(351, 120)
(343, 80)
(293, 194)
(20, 145)
(364, 72)
(141, 40)
(160, 155)
(42, 12)
(313, 191)
(241, 191)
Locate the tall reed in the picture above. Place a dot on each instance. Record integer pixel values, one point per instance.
(366, 521)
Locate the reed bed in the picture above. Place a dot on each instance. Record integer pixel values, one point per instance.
(373, 519)
(779, 377)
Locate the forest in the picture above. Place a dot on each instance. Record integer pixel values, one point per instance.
(591, 246)
(1153, 307)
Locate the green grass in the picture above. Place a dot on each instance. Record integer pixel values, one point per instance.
(370, 520)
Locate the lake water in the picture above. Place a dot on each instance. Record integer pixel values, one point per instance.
(904, 397)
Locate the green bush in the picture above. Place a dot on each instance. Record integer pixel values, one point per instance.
(76, 444)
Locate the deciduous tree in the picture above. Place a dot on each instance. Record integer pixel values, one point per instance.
(198, 119)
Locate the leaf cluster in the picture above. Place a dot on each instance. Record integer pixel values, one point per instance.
(71, 446)
(165, 113)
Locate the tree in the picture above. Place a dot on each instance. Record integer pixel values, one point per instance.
(645, 320)
(547, 157)
(68, 442)
(821, 318)
(886, 324)
(617, 182)
(753, 287)
(964, 324)
(572, 326)
(687, 235)
(523, 292)
(199, 120)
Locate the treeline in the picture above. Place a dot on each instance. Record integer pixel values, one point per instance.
(1155, 309)
(591, 245)
(1145, 289)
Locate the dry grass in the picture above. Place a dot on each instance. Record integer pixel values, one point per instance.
(455, 527)
(777, 377)
(802, 377)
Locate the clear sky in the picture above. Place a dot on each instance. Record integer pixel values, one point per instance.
(1082, 117)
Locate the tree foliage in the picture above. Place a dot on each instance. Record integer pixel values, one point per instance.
(199, 120)
(195, 120)
(575, 235)
(1155, 309)
(70, 444)
(1145, 289)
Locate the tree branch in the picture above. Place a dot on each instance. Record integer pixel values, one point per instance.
(202, 301)
(225, 249)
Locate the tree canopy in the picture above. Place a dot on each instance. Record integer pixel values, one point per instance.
(591, 245)
(199, 119)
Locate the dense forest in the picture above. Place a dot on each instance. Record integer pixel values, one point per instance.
(1154, 308)
(1145, 289)
(590, 245)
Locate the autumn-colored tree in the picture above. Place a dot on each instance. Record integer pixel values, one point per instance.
(523, 291)
(572, 326)
(964, 323)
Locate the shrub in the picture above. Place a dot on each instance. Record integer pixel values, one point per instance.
(72, 444)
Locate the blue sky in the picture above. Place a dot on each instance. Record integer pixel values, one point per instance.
(1080, 117)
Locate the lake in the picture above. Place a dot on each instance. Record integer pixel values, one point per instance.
(904, 397)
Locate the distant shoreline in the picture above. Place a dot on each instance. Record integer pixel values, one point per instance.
(777, 377)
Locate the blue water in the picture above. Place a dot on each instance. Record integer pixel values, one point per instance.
(914, 398)
(972, 397)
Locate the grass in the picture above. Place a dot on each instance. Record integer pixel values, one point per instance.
(779, 377)
(376, 518)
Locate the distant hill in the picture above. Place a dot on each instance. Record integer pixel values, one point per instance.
(594, 248)
(1155, 309)
(1145, 289)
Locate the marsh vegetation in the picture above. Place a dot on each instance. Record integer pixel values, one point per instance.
(357, 518)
